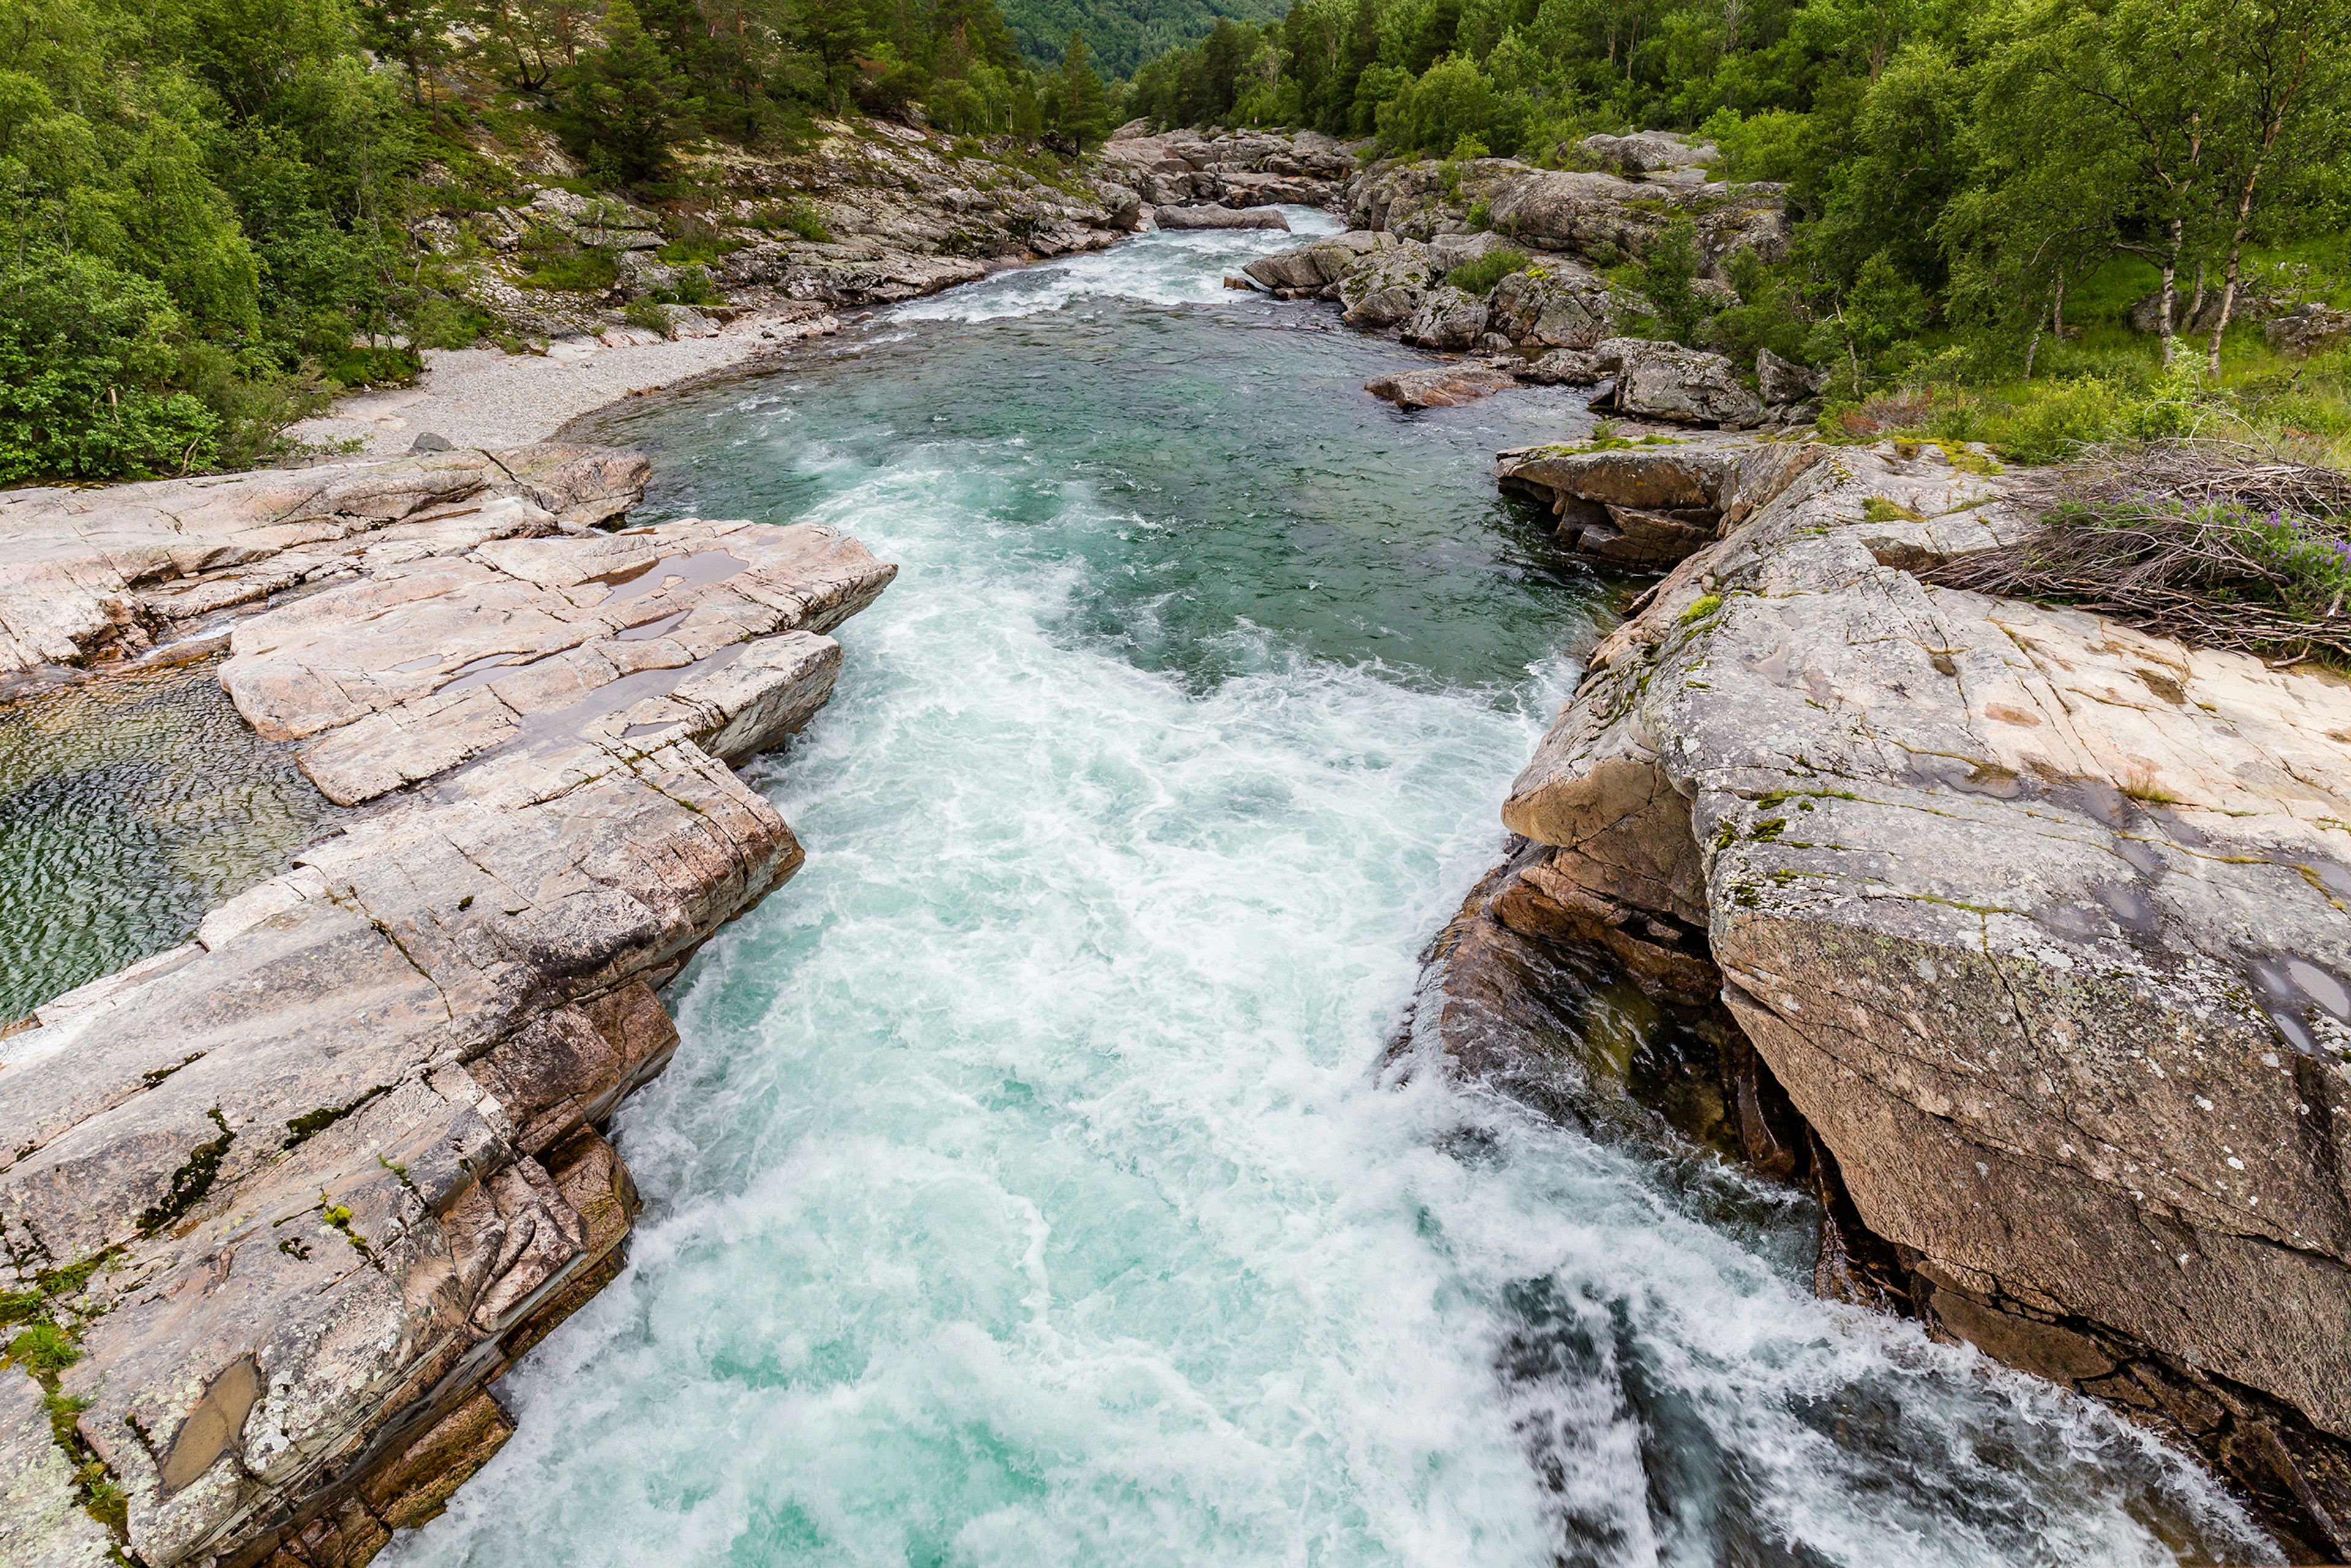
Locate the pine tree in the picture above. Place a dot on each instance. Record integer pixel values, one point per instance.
(624, 102)
(1085, 107)
(836, 33)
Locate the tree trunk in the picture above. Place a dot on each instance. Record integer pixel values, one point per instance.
(2166, 324)
(2196, 306)
(2057, 309)
(2031, 347)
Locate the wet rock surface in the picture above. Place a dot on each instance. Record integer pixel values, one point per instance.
(2038, 922)
(300, 1190)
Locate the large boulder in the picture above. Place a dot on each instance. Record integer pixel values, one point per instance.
(1554, 304)
(1320, 265)
(1441, 386)
(1650, 151)
(2040, 923)
(1446, 317)
(2307, 329)
(1387, 291)
(1666, 381)
(1784, 380)
(1583, 212)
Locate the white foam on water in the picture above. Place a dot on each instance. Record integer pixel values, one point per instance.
(1022, 1193)
(1167, 267)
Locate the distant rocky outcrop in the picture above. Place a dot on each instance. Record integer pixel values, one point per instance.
(1240, 169)
(1415, 224)
(2035, 927)
(296, 1193)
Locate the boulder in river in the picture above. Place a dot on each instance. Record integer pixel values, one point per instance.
(1441, 386)
(1217, 217)
(1386, 291)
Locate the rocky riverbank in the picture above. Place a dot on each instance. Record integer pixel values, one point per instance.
(870, 215)
(281, 1202)
(1504, 263)
(2031, 930)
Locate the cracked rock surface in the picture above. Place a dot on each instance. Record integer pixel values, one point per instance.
(2040, 921)
(303, 1187)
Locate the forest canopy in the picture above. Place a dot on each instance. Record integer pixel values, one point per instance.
(205, 234)
(1949, 165)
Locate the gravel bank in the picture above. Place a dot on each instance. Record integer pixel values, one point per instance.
(481, 397)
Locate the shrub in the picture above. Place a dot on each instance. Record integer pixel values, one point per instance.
(795, 216)
(2057, 419)
(1480, 275)
(86, 362)
(559, 261)
(648, 313)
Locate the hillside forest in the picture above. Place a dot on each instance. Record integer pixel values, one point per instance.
(2112, 195)
(208, 224)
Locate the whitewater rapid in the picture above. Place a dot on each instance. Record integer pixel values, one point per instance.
(1023, 1192)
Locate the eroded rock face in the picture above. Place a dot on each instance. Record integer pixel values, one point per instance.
(90, 575)
(2040, 921)
(336, 1163)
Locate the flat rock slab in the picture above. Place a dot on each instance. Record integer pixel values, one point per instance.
(329, 1167)
(88, 575)
(410, 671)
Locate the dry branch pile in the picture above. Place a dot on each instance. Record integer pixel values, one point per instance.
(2210, 542)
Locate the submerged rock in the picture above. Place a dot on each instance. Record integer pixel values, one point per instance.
(1441, 386)
(2039, 922)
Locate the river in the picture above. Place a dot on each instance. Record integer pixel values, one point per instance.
(1024, 1191)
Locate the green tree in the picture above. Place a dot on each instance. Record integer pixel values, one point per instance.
(623, 104)
(834, 32)
(1085, 108)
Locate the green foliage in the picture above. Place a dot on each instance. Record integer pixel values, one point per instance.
(559, 261)
(795, 216)
(1479, 276)
(648, 313)
(622, 104)
(86, 360)
(1667, 276)
(44, 1347)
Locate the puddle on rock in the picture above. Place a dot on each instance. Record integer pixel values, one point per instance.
(135, 802)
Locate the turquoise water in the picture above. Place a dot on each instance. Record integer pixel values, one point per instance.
(1023, 1192)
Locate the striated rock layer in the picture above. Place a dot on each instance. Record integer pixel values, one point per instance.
(2040, 922)
(296, 1192)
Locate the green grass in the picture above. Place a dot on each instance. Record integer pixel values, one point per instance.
(795, 216)
(1479, 276)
